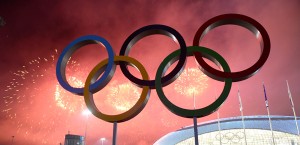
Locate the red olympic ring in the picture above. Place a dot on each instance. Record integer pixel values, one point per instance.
(235, 19)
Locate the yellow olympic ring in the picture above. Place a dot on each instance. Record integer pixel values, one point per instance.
(135, 110)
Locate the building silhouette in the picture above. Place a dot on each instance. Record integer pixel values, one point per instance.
(71, 139)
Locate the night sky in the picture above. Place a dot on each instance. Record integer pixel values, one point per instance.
(36, 110)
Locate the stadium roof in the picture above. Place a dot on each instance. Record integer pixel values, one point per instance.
(279, 123)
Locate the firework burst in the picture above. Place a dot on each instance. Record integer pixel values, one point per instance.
(122, 97)
(66, 100)
(36, 104)
(191, 82)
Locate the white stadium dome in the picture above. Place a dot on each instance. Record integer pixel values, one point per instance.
(231, 132)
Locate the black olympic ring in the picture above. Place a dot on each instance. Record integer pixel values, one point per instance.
(147, 31)
(107, 67)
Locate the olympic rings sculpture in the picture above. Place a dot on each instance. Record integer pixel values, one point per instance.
(107, 67)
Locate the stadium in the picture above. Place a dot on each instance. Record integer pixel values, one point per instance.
(230, 131)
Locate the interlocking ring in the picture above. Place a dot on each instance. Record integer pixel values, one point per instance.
(136, 109)
(209, 54)
(70, 49)
(230, 137)
(235, 19)
(107, 67)
(147, 31)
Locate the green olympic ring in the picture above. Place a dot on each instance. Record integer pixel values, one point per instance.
(207, 53)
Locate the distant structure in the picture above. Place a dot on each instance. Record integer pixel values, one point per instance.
(257, 130)
(2, 22)
(71, 139)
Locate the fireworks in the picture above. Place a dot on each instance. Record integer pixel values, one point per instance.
(122, 97)
(191, 82)
(35, 103)
(66, 100)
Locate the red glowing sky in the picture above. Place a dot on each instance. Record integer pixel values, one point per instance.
(34, 30)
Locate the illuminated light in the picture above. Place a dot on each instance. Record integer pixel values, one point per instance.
(86, 112)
